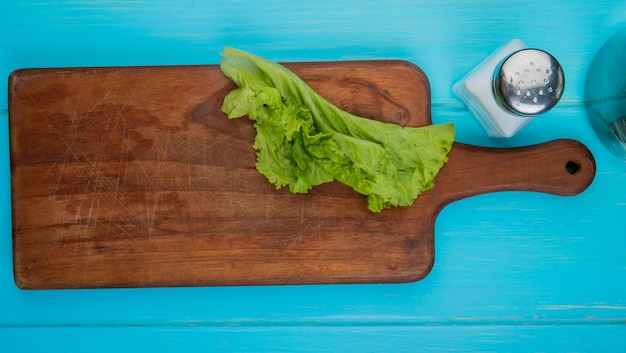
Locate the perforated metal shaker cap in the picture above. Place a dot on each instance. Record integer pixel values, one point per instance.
(528, 82)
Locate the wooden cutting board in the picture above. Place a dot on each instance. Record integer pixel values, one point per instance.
(132, 177)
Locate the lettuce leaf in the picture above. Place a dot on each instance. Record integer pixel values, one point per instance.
(303, 140)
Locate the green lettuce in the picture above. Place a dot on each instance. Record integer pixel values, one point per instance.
(303, 140)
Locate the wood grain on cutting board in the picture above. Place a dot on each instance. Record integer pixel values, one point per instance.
(131, 177)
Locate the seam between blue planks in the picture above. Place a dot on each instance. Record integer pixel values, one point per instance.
(252, 323)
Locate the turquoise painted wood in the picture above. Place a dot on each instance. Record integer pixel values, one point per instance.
(514, 271)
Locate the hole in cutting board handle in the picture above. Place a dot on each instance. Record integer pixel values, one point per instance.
(572, 167)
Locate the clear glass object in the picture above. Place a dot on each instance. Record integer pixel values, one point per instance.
(605, 94)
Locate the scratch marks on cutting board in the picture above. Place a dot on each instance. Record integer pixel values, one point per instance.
(94, 143)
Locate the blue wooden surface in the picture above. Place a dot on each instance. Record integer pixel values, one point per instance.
(514, 271)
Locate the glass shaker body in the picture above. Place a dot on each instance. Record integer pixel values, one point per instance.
(510, 87)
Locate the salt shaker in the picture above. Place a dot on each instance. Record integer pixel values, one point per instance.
(510, 87)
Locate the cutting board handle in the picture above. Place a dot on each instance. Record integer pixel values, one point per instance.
(560, 167)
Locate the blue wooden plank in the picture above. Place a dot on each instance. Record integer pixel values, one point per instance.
(513, 271)
(472, 338)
